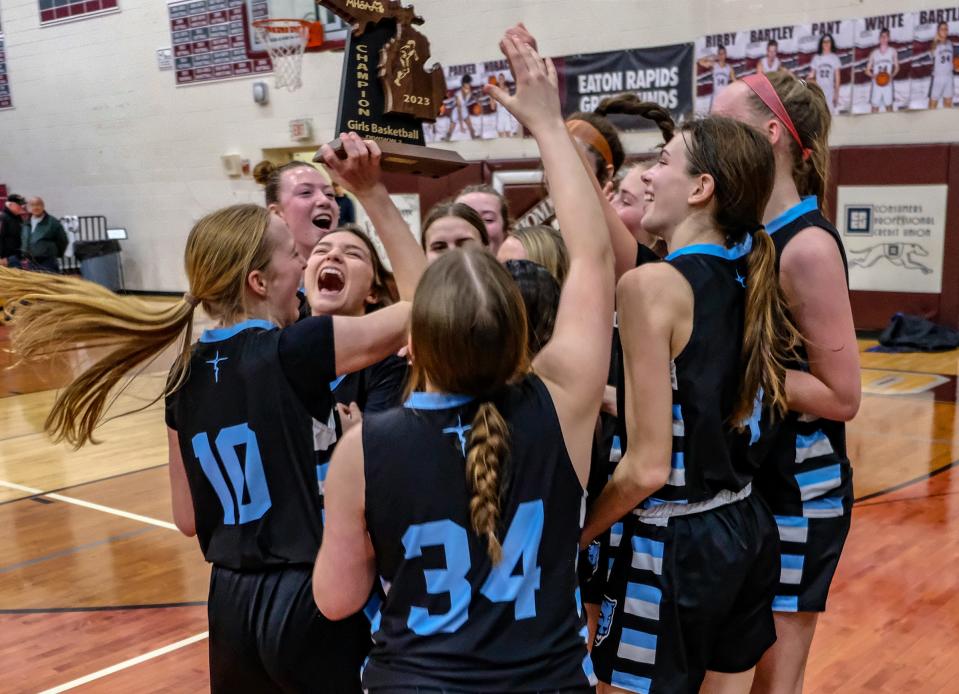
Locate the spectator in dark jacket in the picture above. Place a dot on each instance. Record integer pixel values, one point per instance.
(43, 239)
(10, 230)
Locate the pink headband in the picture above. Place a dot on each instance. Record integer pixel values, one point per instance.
(764, 89)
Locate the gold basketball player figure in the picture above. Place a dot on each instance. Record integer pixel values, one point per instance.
(407, 54)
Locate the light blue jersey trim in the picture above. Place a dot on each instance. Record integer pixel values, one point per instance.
(421, 400)
(808, 204)
(734, 253)
(221, 334)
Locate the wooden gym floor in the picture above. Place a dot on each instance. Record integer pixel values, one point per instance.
(100, 593)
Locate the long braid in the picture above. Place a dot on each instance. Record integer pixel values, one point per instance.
(632, 105)
(485, 460)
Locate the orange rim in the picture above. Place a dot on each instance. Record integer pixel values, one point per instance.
(281, 26)
(273, 25)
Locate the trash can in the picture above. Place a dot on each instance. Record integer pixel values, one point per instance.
(99, 262)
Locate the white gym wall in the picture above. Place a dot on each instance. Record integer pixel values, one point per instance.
(97, 128)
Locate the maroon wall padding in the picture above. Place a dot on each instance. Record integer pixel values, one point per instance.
(949, 299)
(851, 166)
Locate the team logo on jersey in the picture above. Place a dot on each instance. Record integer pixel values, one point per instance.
(460, 432)
(606, 611)
(592, 556)
(215, 363)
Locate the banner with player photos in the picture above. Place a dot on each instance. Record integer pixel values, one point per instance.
(935, 59)
(820, 52)
(874, 64)
(468, 113)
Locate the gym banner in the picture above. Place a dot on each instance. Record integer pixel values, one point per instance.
(820, 52)
(874, 64)
(662, 74)
(894, 236)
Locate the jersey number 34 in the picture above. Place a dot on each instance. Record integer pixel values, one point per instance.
(521, 545)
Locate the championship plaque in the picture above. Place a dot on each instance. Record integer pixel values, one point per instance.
(386, 91)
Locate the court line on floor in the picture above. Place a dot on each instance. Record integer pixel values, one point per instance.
(905, 499)
(74, 549)
(902, 485)
(88, 482)
(101, 608)
(90, 505)
(100, 674)
(42, 435)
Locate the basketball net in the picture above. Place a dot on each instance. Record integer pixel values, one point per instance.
(285, 40)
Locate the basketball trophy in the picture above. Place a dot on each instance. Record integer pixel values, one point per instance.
(390, 105)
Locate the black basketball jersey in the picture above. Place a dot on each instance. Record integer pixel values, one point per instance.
(644, 255)
(451, 620)
(710, 454)
(246, 419)
(809, 474)
(376, 388)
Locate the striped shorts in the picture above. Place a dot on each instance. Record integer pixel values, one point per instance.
(689, 595)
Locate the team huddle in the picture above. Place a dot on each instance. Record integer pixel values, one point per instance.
(522, 460)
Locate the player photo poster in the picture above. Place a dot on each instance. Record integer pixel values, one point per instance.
(825, 56)
(882, 67)
(662, 75)
(720, 60)
(935, 59)
(772, 49)
(469, 114)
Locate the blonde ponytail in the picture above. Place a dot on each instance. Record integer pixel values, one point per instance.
(485, 460)
(51, 311)
(770, 339)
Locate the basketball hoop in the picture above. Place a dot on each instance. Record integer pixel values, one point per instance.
(285, 40)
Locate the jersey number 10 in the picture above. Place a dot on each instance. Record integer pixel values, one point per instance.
(242, 490)
(521, 545)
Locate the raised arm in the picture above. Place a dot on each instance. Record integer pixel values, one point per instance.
(575, 362)
(624, 245)
(813, 279)
(368, 339)
(360, 173)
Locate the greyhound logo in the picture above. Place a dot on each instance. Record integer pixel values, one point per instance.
(900, 254)
(606, 612)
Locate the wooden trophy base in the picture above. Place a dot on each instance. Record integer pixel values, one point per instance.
(410, 159)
